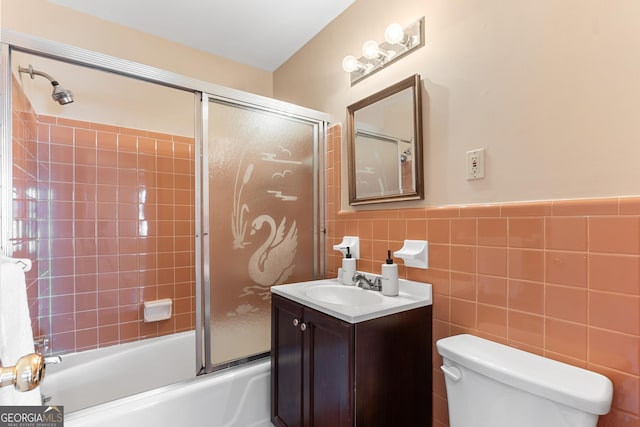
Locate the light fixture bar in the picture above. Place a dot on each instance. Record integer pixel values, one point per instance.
(398, 43)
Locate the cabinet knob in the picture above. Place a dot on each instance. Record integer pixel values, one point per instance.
(303, 327)
(296, 322)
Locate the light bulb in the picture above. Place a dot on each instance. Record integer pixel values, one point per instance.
(370, 50)
(394, 34)
(349, 63)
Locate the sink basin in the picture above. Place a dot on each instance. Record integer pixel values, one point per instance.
(353, 304)
(344, 295)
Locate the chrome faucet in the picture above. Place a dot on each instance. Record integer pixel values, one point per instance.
(361, 281)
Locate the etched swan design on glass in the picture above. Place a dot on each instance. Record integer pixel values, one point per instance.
(273, 261)
(238, 223)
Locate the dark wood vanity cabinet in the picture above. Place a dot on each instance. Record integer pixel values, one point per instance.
(326, 372)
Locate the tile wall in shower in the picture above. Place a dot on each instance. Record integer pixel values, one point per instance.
(113, 225)
(24, 203)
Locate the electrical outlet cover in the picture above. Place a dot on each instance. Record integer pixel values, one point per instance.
(475, 164)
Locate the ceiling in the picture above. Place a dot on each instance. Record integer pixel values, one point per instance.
(260, 33)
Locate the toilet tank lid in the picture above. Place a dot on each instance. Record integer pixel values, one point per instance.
(572, 386)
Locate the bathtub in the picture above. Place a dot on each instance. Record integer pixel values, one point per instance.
(234, 397)
(92, 377)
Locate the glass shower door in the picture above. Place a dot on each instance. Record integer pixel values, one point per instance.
(260, 216)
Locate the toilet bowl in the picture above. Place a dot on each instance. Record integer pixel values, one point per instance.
(493, 385)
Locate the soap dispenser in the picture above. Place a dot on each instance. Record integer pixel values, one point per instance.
(348, 268)
(389, 277)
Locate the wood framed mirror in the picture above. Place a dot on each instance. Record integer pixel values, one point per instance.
(384, 141)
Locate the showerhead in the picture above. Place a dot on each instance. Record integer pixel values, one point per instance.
(406, 155)
(61, 95)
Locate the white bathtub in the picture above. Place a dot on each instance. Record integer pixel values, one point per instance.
(235, 397)
(96, 376)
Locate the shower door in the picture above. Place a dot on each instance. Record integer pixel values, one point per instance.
(260, 216)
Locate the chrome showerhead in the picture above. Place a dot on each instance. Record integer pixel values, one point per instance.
(61, 95)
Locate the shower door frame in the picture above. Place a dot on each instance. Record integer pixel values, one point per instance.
(297, 113)
(13, 40)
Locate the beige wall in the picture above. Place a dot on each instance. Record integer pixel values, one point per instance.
(43, 19)
(549, 88)
(106, 98)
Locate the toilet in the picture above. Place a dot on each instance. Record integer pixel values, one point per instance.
(493, 385)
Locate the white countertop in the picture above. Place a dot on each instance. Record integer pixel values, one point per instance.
(411, 295)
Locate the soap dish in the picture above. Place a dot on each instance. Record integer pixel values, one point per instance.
(157, 310)
(415, 253)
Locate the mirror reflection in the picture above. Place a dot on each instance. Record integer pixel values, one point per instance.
(385, 145)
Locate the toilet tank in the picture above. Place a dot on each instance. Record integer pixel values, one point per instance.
(493, 385)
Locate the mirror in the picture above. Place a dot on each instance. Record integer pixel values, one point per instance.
(384, 138)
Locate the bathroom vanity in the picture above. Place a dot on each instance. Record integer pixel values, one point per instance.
(343, 356)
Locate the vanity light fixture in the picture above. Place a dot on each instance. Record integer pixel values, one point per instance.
(350, 63)
(399, 41)
(371, 50)
(395, 34)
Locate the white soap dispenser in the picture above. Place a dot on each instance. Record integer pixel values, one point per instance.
(348, 268)
(389, 277)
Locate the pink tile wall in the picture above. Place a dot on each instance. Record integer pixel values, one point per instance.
(117, 230)
(24, 152)
(107, 216)
(559, 279)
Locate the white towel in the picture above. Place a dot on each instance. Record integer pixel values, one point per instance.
(16, 334)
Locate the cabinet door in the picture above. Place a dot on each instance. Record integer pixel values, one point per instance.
(286, 362)
(328, 371)
(393, 370)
